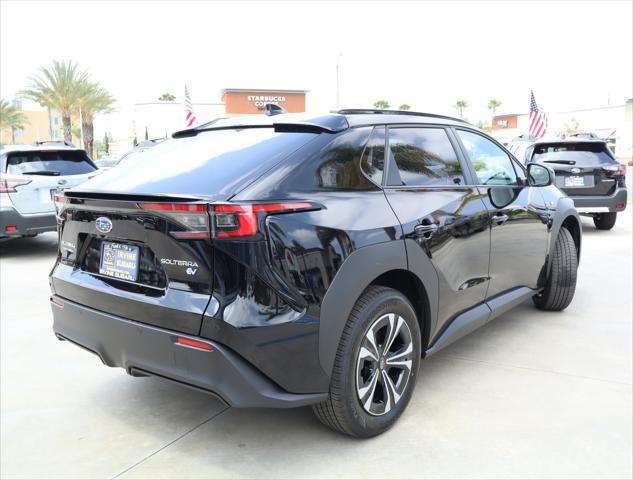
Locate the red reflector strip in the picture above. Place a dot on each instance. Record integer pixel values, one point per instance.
(174, 207)
(194, 343)
(57, 302)
(61, 199)
(11, 228)
(619, 205)
(190, 235)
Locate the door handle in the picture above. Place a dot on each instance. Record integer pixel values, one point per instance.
(425, 230)
(500, 219)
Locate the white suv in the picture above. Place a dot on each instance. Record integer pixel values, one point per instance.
(29, 177)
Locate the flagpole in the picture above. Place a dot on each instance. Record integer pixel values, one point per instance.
(81, 129)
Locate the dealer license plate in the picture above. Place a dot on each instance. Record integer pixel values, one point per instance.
(574, 181)
(119, 260)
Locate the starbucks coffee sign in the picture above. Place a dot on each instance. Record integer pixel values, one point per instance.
(261, 100)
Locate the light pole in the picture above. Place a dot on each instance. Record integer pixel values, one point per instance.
(338, 58)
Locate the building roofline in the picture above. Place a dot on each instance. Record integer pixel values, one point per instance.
(263, 90)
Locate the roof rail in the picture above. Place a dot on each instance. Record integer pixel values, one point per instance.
(360, 111)
(53, 142)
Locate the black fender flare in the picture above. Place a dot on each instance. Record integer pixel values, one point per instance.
(355, 274)
(565, 208)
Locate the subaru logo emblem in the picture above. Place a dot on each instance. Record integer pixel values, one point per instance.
(575, 170)
(103, 224)
(62, 182)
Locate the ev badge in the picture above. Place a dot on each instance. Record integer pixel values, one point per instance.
(191, 271)
(103, 224)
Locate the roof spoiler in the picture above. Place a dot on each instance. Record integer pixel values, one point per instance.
(271, 109)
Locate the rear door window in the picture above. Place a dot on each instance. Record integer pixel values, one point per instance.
(57, 163)
(587, 154)
(424, 157)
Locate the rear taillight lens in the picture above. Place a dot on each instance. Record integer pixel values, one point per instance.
(60, 203)
(234, 220)
(9, 185)
(192, 216)
(227, 220)
(616, 170)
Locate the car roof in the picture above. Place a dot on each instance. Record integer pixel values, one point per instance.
(36, 148)
(329, 122)
(550, 140)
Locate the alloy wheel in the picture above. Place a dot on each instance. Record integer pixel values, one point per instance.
(384, 363)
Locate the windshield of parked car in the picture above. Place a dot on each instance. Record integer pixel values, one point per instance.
(49, 162)
(585, 154)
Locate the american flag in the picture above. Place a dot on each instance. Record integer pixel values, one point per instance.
(190, 117)
(538, 119)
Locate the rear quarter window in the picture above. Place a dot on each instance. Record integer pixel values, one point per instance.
(587, 154)
(61, 162)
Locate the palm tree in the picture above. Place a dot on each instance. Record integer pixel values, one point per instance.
(493, 105)
(93, 99)
(56, 87)
(460, 105)
(404, 106)
(167, 97)
(381, 104)
(11, 117)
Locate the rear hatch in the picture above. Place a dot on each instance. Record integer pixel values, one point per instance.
(41, 173)
(135, 241)
(582, 168)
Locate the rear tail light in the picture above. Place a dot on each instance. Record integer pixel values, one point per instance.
(192, 216)
(60, 203)
(188, 342)
(9, 185)
(233, 220)
(226, 220)
(616, 170)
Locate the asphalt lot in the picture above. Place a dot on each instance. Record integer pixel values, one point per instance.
(532, 394)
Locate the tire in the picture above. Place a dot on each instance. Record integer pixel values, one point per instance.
(605, 221)
(377, 312)
(561, 283)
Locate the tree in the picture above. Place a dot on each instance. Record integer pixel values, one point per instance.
(381, 104)
(11, 117)
(460, 105)
(167, 97)
(146, 135)
(56, 87)
(493, 104)
(93, 99)
(134, 141)
(404, 106)
(106, 143)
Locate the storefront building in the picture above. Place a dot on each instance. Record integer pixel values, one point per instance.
(240, 101)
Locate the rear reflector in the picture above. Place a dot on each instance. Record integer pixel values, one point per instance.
(619, 205)
(187, 342)
(174, 207)
(57, 301)
(11, 228)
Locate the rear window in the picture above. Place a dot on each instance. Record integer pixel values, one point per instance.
(214, 162)
(581, 154)
(58, 162)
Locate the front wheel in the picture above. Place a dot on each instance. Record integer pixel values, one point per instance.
(561, 283)
(376, 365)
(605, 221)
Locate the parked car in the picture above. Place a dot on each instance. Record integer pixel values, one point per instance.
(29, 177)
(105, 163)
(308, 260)
(586, 171)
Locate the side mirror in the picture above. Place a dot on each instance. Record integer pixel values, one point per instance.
(540, 175)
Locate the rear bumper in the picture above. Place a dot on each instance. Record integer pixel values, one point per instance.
(25, 224)
(144, 350)
(597, 204)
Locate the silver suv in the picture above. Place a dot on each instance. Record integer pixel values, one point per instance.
(30, 175)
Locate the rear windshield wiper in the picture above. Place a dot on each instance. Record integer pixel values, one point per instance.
(564, 162)
(50, 173)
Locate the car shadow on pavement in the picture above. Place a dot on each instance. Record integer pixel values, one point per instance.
(44, 245)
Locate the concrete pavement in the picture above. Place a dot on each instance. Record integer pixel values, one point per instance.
(531, 395)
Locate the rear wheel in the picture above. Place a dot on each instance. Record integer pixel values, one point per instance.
(605, 221)
(375, 367)
(561, 283)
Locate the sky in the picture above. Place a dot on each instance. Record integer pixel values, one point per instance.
(426, 54)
